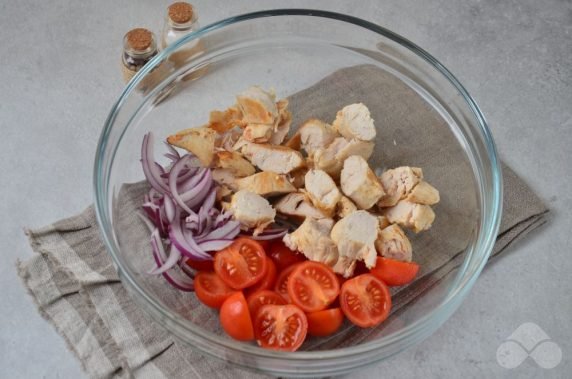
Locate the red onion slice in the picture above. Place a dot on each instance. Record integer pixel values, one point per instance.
(215, 245)
(150, 170)
(173, 277)
(174, 256)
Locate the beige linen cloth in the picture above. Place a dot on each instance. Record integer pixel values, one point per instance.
(74, 284)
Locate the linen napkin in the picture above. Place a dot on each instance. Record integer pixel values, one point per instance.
(73, 282)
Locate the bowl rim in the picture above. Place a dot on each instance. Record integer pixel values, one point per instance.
(432, 320)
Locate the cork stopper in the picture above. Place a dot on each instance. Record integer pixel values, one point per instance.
(139, 39)
(181, 12)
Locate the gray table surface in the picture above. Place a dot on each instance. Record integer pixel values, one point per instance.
(59, 76)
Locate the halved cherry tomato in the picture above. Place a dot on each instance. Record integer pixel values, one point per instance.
(242, 264)
(211, 290)
(281, 286)
(268, 281)
(365, 300)
(324, 323)
(235, 317)
(313, 286)
(280, 327)
(200, 265)
(283, 256)
(360, 268)
(265, 245)
(264, 297)
(393, 272)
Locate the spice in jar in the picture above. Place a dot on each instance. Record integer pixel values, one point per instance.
(181, 20)
(139, 47)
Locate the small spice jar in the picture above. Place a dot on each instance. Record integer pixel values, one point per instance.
(181, 20)
(139, 47)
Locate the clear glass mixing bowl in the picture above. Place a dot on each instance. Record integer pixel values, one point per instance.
(291, 50)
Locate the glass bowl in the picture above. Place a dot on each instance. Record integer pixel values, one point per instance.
(290, 50)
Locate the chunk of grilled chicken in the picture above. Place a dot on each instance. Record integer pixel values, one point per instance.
(298, 177)
(257, 106)
(234, 162)
(423, 193)
(279, 159)
(258, 133)
(299, 206)
(322, 190)
(345, 207)
(266, 183)
(252, 211)
(223, 121)
(315, 134)
(282, 124)
(354, 122)
(359, 183)
(355, 236)
(398, 184)
(199, 141)
(392, 243)
(224, 177)
(331, 159)
(416, 217)
(313, 240)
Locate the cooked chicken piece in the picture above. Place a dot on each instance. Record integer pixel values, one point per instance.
(295, 142)
(283, 123)
(224, 177)
(417, 217)
(398, 183)
(222, 121)
(298, 205)
(331, 159)
(234, 162)
(354, 121)
(383, 222)
(257, 106)
(199, 141)
(297, 177)
(266, 183)
(223, 193)
(423, 193)
(258, 133)
(252, 211)
(313, 240)
(316, 134)
(279, 159)
(392, 243)
(359, 183)
(322, 190)
(355, 237)
(345, 207)
(226, 141)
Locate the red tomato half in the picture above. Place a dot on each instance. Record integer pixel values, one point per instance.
(281, 286)
(200, 265)
(242, 264)
(393, 272)
(211, 290)
(264, 297)
(324, 323)
(365, 300)
(269, 279)
(280, 327)
(313, 286)
(235, 318)
(283, 256)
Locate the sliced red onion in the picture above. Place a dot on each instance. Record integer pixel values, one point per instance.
(175, 278)
(169, 209)
(215, 245)
(174, 256)
(269, 234)
(229, 230)
(150, 170)
(186, 269)
(173, 175)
